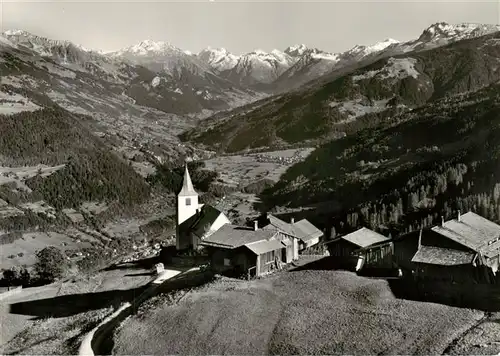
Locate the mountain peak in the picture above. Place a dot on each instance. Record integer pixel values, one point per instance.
(296, 50)
(40, 44)
(15, 32)
(218, 58)
(377, 47)
(444, 30)
(149, 46)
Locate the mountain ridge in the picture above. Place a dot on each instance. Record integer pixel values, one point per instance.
(378, 89)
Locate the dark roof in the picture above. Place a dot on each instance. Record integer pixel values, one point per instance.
(302, 229)
(232, 236)
(264, 246)
(473, 231)
(364, 237)
(198, 222)
(442, 256)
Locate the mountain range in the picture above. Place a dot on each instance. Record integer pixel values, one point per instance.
(445, 60)
(152, 103)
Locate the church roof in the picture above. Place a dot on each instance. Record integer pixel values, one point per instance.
(199, 222)
(187, 185)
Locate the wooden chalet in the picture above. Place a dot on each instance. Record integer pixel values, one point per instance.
(462, 250)
(238, 250)
(362, 248)
(302, 233)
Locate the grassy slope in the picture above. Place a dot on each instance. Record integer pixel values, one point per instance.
(440, 158)
(305, 114)
(308, 312)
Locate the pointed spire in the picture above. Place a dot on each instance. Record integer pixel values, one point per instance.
(187, 184)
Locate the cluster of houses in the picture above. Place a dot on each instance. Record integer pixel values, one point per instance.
(268, 245)
(465, 248)
(461, 250)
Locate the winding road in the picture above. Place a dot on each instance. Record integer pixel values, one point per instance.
(100, 339)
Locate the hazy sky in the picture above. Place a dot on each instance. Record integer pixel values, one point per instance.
(239, 26)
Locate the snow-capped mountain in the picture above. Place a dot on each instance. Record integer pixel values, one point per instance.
(360, 51)
(161, 57)
(153, 74)
(253, 68)
(443, 31)
(310, 67)
(296, 50)
(219, 59)
(70, 55)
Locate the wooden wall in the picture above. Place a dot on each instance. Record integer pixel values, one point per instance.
(379, 256)
(267, 262)
(240, 260)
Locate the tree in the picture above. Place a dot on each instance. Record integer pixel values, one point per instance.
(16, 276)
(51, 264)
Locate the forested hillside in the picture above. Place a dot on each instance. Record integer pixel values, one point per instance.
(362, 98)
(406, 173)
(85, 169)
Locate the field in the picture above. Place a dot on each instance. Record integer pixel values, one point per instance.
(242, 170)
(297, 312)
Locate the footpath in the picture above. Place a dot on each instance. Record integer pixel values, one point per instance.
(93, 342)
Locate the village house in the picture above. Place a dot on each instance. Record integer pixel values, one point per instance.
(302, 233)
(461, 250)
(194, 220)
(240, 250)
(362, 248)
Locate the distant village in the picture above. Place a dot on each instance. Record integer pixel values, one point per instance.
(462, 251)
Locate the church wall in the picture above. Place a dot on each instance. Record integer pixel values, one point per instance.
(185, 211)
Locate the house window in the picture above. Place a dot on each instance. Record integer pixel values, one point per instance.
(188, 201)
(227, 262)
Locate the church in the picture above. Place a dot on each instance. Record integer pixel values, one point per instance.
(195, 221)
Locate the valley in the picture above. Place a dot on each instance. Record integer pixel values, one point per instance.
(393, 136)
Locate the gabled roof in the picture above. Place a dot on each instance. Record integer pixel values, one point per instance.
(364, 237)
(187, 185)
(280, 224)
(307, 230)
(232, 236)
(302, 229)
(473, 231)
(442, 256)
(264, 246)
(199, 222)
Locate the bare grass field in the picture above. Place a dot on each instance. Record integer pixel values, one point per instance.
(297, 312)
(245, 169)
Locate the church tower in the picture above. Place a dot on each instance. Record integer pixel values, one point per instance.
(187, 203)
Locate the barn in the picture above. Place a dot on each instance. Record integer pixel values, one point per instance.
(363, 248)
(238, 250)
(466, 249)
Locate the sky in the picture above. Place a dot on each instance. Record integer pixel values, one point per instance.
(237, 25)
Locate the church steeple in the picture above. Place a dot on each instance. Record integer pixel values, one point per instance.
(187, 184)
